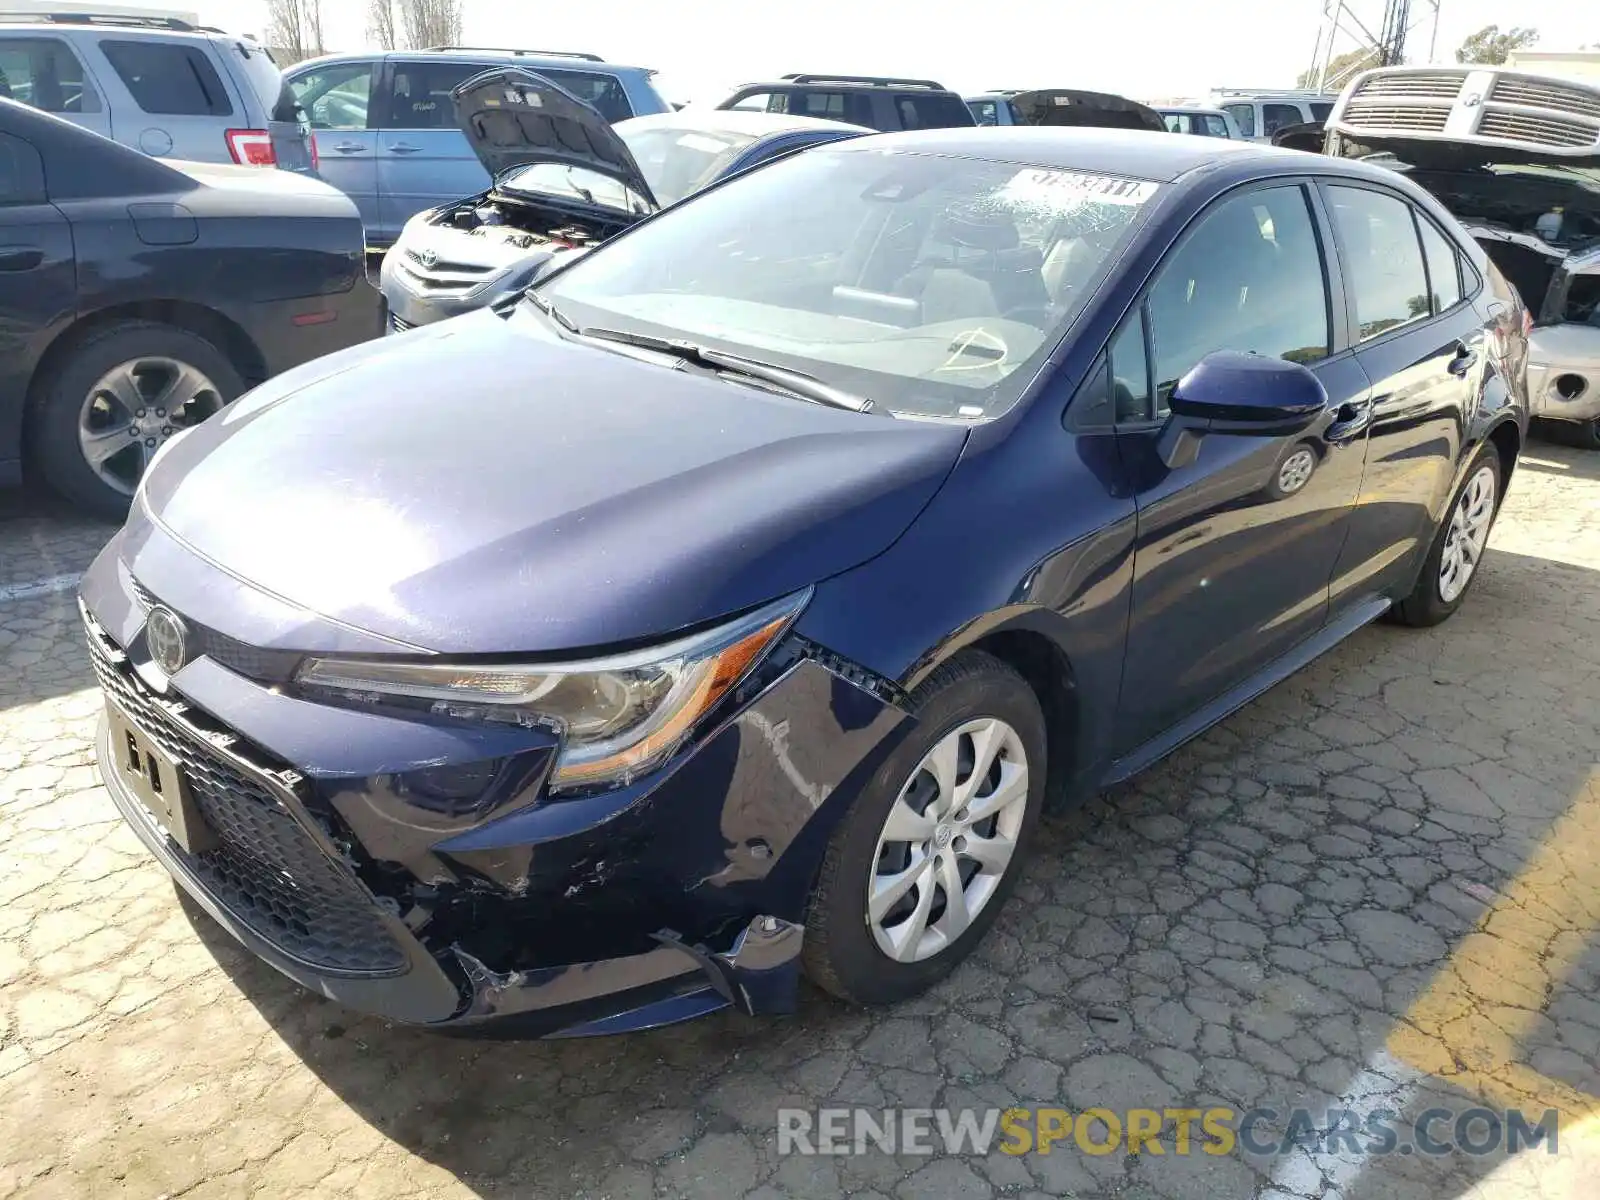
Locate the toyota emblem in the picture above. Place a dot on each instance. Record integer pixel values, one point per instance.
(428, 258)
(167, 637)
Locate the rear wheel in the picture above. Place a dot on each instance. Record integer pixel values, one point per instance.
(115, 398)
(1459, 545)
(922, 864)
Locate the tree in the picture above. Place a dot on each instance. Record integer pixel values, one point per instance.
(294, 27)
(1340, 70)
(382, 27)
(431, 22)
(1491, 47)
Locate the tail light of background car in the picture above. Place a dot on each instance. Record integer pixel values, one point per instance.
(251, 147)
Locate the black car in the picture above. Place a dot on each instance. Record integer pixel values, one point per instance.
(139, 296)
(881, 102)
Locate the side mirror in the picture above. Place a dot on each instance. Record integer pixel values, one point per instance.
(1250, 395)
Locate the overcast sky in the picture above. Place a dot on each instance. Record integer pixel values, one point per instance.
(1142, 48)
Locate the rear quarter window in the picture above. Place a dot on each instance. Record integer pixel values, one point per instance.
(918, 110)
(169, 79)
(253, 64)
(604, 92)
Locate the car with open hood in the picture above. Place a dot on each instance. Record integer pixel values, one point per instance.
(734, 602)
(565, 179)
(1516, 157)
(1064, 108)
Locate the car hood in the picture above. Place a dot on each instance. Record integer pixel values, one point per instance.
(482, 486)
(1071, 107)
(514, 117)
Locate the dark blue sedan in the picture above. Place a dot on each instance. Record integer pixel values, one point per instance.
(733, 605)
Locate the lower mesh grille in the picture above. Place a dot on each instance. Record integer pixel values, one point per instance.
(268, 871)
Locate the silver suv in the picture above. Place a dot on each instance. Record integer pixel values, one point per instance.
(158, 84)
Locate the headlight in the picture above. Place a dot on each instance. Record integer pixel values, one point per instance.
(619, 715)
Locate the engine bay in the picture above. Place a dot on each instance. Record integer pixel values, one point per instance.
(517, 225)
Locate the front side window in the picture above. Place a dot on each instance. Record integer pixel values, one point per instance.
(985, 112)
(1248, 277)
(1244, 116)
(1444, 266)
(1215, 126)
(763, 102)
(914, 279)
(1383, 259)
(421, 94)
(1176, 122)
(336, 97)
(44, 73)
(1321, 110)
(1279, 116)
(167, 79)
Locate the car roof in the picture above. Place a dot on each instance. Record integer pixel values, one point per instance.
(1135, 154)
(125, 29)
(732, 120)
(1198, 109)
(497, 57)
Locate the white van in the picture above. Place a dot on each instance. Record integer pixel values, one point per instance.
(1260, 114)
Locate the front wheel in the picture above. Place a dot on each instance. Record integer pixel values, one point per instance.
(922, 864)
(1458, 547)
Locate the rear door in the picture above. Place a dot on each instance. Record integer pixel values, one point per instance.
(1422, 345)
(38, 288)
(178, 105)
(424, 159)
(338, 101)
(45, 72)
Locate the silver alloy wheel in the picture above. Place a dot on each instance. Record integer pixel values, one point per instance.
(948, 840)
(1468, 534)
(134, 409)
(1296, 470)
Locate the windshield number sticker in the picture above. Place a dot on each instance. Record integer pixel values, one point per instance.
(1074, 187)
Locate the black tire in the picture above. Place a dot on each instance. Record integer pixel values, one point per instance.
(54, 450)
(1425, 606)
(841, 955)
(1587, 434)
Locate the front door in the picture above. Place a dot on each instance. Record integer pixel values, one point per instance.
(1235, 550)
(424, 160)
(338, 100)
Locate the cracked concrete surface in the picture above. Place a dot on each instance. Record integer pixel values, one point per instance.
(1252, 922)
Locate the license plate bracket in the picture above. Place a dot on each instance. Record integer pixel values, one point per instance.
(158, 783)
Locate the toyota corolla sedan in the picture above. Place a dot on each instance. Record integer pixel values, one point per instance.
(805, 543)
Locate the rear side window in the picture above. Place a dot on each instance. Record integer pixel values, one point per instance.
(1244, 116)
(853, 107)
(1215, 126)
(985, 112)
(1321, 110)
(1383, 257)
(421, 95)
(169, 79)
(1444, 266)
(1279, 116)
(44, 73)
(604, 92)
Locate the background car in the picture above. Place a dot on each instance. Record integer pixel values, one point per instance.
(1201, 122)
(1063, 108)
(1260, 114)
(141, 295)
(157, 84)
(881, 102)
(386, 130)
(549, 198)
(1516, 157)
(738, 599)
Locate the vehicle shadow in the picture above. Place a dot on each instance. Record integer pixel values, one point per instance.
(560, 1117)
(1546, 452)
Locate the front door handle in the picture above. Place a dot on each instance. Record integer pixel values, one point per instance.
(404, 148)
(1462, 362)
(20, 258)
(1350, 421)
(350, 147)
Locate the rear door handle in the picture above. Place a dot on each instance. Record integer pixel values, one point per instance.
(404, 148)
(20, 258)
(1350, 421)
(1462, 362)
(350, 148)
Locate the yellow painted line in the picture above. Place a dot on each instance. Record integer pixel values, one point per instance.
(1467, 1028)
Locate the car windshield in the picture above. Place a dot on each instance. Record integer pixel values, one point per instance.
(934, 285)
(677, 160)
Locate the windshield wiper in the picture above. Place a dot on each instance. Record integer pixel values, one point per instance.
(551, 311)
(797, 383)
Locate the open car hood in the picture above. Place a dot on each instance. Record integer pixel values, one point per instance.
(514, 117)
(1070, 107)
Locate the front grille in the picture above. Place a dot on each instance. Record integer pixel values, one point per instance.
(1414, 118)
(1540, 93)
(1540, 130)
(253, 662)
(268, 871)
(442, 275)
(1438, 85)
